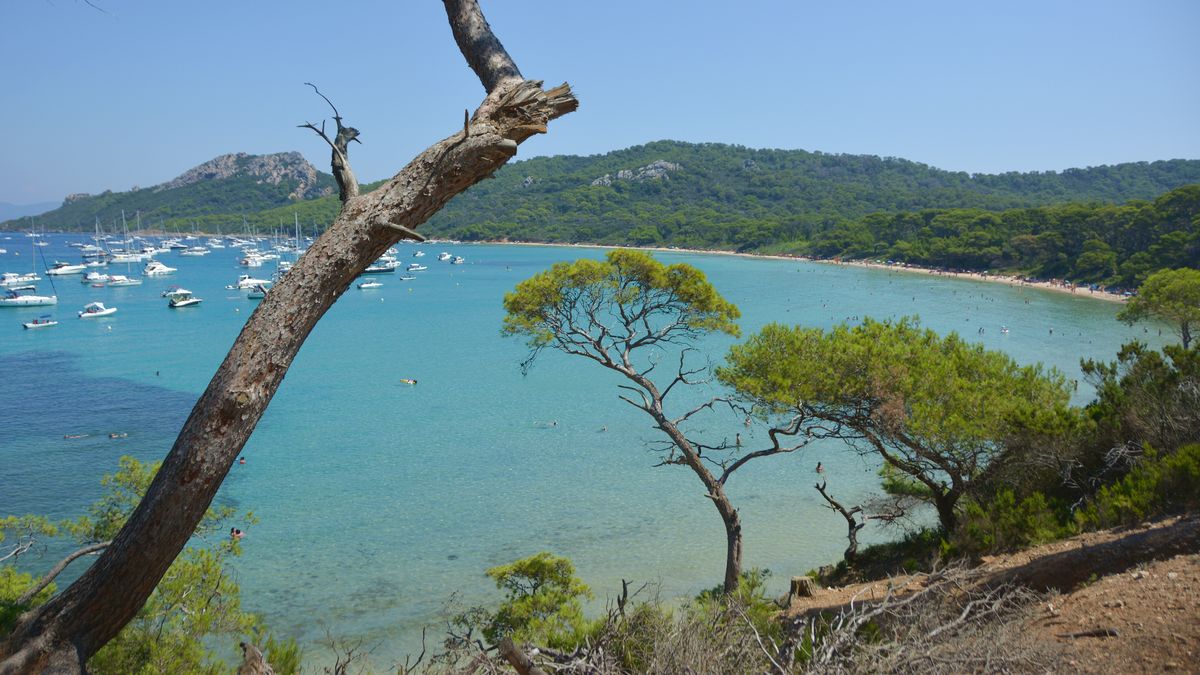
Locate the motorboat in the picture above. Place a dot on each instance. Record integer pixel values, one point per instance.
(195, 251)
(16, 299)
(406, 277)
(384, 265)
(246, 282)
(181, 297)
(122, 280)
(418, 253)
(369, 284)
(258, 292)
(94, 278)
(252, 260)
(128, 257)
(156, 269)
(43, 321)
(458, 260)
(416, 267)
(61, 268)
(95, 310)
(443, 256)
(17, 279)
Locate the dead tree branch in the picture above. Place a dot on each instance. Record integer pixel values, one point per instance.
(340, 161)
(32, 591)
(62, 634)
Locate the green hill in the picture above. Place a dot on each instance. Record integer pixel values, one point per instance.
(735, 197)
(221, 190)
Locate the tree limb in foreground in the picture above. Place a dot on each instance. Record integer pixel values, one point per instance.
(61, 635)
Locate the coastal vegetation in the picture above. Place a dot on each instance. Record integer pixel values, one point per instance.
(1172, 296)
(628, 313)
(193, 619)
(1109, 225)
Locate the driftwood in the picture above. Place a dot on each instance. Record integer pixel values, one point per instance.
(61, 635)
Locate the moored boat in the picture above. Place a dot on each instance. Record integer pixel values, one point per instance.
(156, 269)
(17, 299)
(43, 321)
(95, 310)
(62, 268)
(180, 297)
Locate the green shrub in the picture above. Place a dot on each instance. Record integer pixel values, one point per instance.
(1157, 486)
(1005, 523)
(543, 602)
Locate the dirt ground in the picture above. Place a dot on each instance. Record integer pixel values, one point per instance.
(1143, 619)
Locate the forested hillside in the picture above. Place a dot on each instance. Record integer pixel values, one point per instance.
(1105, 244)
(729, 196)
(219, 191)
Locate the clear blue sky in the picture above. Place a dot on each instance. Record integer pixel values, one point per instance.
(135, 96)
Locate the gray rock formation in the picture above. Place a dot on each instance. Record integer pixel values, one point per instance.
(656, 170)
(270, 169)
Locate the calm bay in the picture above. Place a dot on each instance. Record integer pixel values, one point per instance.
(378, 500)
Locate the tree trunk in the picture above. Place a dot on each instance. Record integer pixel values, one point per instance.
(61, 635)
(945, 508)
(733, 541)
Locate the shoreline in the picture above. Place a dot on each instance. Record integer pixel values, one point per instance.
(1012, 281)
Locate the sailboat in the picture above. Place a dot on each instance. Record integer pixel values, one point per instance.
(15, 298)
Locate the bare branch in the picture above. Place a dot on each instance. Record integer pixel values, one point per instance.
(32, 591)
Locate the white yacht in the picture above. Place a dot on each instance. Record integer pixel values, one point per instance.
(156, 269)
(94, 278)
(61, 268)
(257, 293)
(458, 260)
(95, 310)
(17, 279)
(122, 280)
(416, 267)
(246, 281)
(15, 299)
(195, 251)
(370, 284)
(443, 256)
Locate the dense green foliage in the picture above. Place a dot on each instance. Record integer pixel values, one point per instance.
(195, 607)
(631, 285)
(542, 603)
(1168, 295)
(737, 197)
(937, 410)
(1086, 243)
(1155, 486)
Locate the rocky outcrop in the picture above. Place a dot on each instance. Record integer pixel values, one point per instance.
(657, 170)
(289, 167)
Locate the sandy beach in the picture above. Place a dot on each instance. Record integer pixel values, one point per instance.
(1057, 286)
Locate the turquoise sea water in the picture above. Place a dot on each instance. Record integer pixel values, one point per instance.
(379, 500)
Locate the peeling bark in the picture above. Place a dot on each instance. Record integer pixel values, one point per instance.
(61, 635)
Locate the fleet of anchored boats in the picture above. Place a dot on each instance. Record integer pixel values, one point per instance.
(19, 289)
